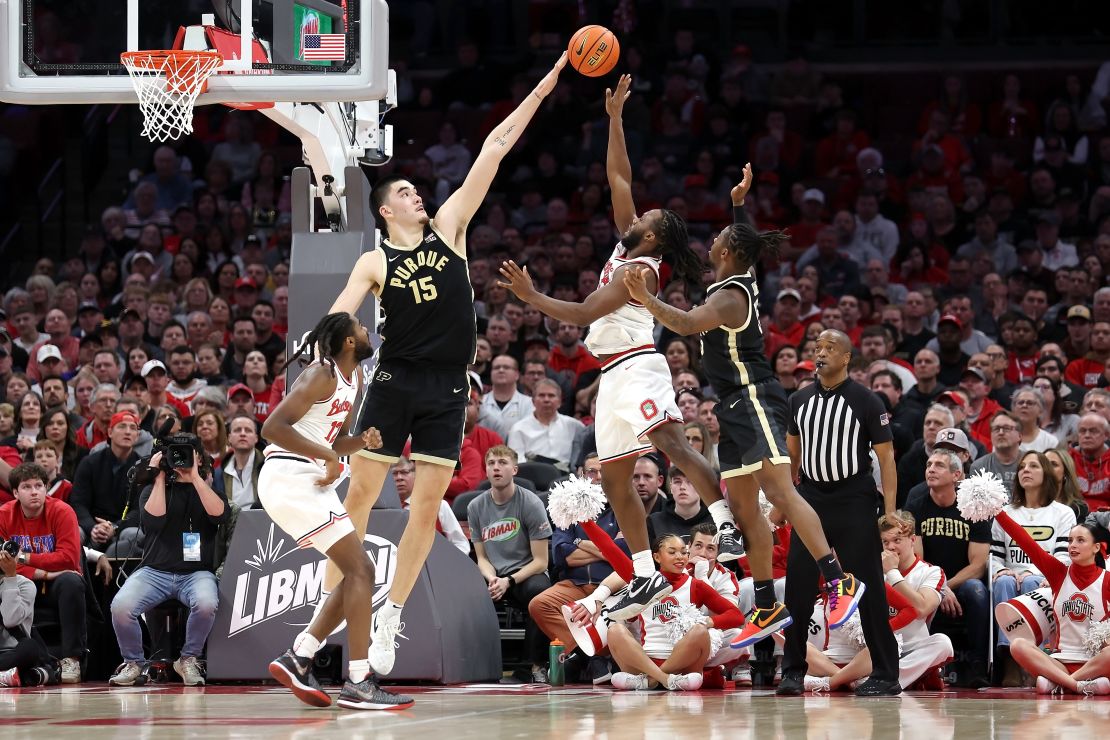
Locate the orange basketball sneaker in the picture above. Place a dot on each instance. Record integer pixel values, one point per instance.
(843, 595)
(761, 623)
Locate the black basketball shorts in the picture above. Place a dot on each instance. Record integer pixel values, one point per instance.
(426, 404)
(753, 425)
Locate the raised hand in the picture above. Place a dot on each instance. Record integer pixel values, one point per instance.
(740, 191)
(614, 102)
(520, 282)
(547, 84)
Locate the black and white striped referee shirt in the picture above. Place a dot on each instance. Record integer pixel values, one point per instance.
(837, 428)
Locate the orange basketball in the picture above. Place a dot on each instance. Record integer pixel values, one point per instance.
(593, 50)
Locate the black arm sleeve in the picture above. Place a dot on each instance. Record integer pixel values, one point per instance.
(740, 215)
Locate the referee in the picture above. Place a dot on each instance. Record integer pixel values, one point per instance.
(834, 425)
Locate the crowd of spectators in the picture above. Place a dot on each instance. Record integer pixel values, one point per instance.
(970, 273)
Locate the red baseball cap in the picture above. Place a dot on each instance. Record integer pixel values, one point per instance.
(952, 396)
(805, 366)
(950, 319)
(239, 387)
(121, 417)
(245, 282)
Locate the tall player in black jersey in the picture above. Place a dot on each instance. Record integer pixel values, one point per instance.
(420, 385)
(753, 414)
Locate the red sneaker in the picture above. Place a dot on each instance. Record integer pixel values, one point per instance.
(761, 623)
(843, 595)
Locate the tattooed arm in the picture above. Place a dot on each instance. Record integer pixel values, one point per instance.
(455, 214)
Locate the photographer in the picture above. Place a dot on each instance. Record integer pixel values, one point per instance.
(180, 514)
(46, 530)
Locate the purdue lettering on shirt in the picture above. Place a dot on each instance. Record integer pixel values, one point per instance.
(428, 305)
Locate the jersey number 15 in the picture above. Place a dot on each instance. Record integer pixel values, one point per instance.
(423, 289)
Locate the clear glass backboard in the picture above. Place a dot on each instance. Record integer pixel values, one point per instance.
(68, 51)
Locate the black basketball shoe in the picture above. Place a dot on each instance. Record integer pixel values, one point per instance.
(295, 673)
(641, 593)
(729, 545)
(368, 695)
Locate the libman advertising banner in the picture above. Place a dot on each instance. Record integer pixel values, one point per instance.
(270, 590)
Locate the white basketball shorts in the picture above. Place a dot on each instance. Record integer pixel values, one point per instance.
(312, 515)
(635, 397)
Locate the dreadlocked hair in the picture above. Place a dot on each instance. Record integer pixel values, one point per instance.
(675, 240)
(326, 339)
(745, 241)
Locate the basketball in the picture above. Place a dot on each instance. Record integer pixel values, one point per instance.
(593, 50)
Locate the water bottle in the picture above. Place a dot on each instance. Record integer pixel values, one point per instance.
(555, 656)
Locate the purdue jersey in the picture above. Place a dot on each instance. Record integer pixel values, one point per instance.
(428, 305)
(734, 358)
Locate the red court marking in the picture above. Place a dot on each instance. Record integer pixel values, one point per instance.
(174, 721)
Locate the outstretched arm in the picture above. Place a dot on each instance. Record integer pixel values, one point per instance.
(617, 167)
(602, 301)
(455, 214)
(725, 307)
(368, 274)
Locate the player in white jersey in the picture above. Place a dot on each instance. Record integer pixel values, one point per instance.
(635, 398)
(309, 432)
(1080, 598)
(913, 592)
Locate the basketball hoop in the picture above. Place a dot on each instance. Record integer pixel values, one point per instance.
(167, 83)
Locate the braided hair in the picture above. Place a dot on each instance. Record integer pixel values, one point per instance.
(327, 339)
(672, 236)
(750, 244)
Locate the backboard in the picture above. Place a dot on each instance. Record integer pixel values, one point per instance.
(68, 51)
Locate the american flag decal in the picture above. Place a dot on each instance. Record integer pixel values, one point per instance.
(323, 46)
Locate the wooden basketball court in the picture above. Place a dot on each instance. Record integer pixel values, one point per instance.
(579, 713)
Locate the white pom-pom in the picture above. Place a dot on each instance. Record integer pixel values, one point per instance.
(1098, 635)
(764, 505)
(852, 630)
(573, 501)
(716, 641)
(981, 496)
(682, 621)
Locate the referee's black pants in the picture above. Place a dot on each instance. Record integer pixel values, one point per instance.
(848, 511)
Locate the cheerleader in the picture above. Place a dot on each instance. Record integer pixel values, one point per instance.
(660, 657)
(1080, 599)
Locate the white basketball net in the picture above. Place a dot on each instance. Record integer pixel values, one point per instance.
(168, 83)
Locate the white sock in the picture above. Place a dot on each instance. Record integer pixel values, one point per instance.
(721, 513)
(642, 564)
(358, 670)
(306, 646)
(390, 610)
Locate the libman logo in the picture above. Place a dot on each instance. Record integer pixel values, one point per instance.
(267, 591)
(501, 530)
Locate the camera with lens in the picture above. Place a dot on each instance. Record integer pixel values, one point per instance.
(9, 546)
(178, 452)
